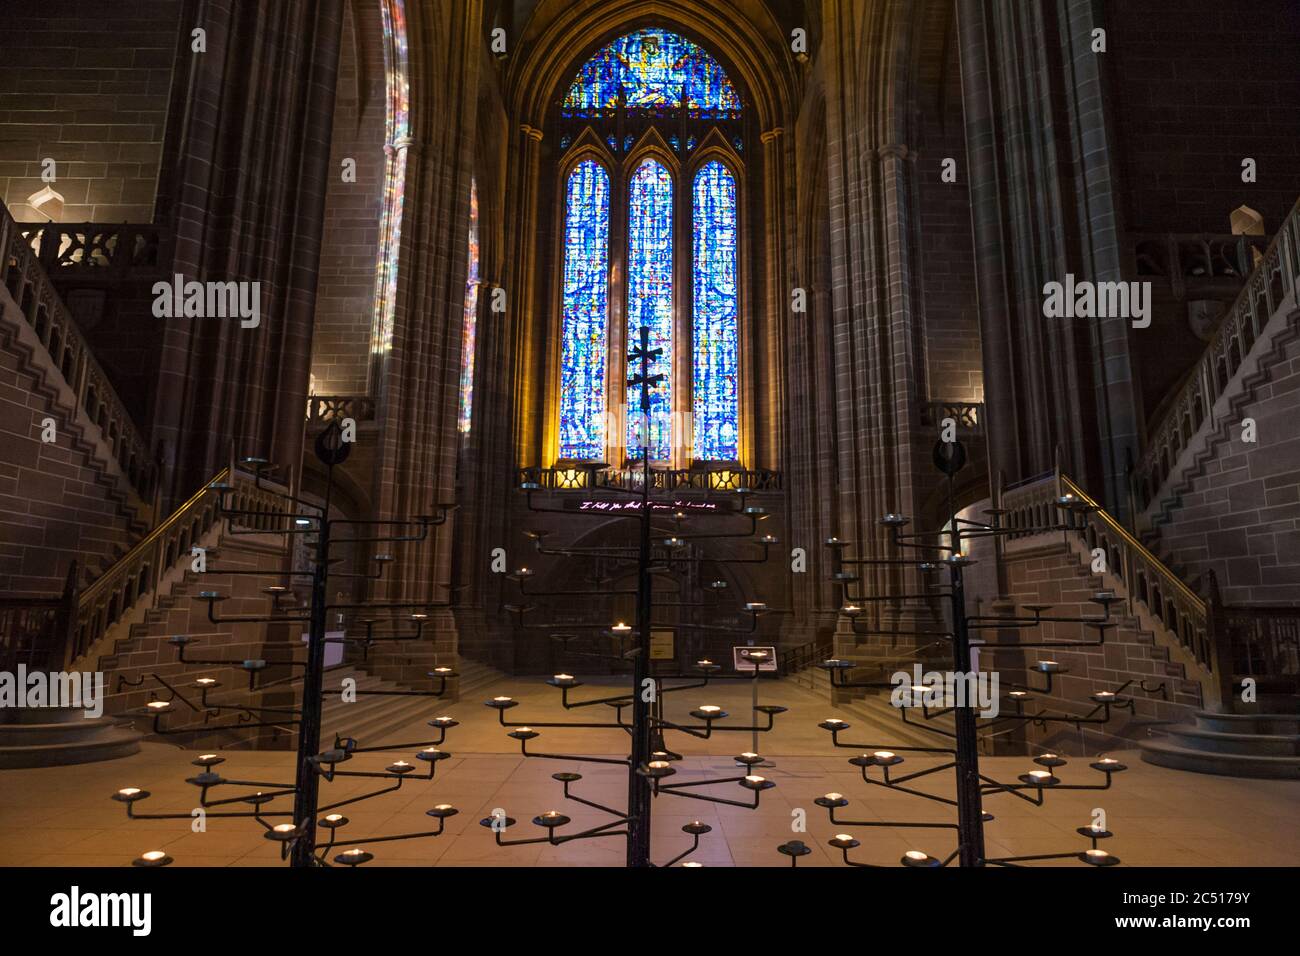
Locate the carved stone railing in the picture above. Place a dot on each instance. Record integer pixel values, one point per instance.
(94, 250)
(323, 409)
(43, 308)
(137, 573)
(1148, 582)
(969, 416)
(1272, 281)
(578, 478)
(1184, 258)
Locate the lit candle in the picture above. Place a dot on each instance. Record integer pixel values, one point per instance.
(525, 730)
(158, 705)
(153, 856)
(284, 828)
(620, 628)
(710, 709)
(754, 778)
(749, 756)
(843, 837)
(833, 797)
(129, 791)
(501, 700)
(693, 865)
(916, 855)
(334, 818)
(884, 755)
(564, 677)
(442, 670)
(1039, 775)
(444, 806)
(832, 720)
(658, 764)
(1096, 854)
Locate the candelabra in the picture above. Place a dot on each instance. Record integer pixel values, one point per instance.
(945, 550)
(324, 536)
(640, 710)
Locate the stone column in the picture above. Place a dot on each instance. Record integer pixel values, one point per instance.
(418, 403)
(1041, 186)
(876, 374)
(243, 191)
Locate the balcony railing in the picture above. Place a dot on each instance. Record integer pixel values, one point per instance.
(1273, 280)
(323, 409)
(93, 250)
(1191, 258)
(578, 478)
(43, 308)
(969, 416)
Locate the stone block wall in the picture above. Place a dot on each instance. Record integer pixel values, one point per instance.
(350, 246)
(1052, 574)
(86, 85)
(1241, 517)
(57, 503)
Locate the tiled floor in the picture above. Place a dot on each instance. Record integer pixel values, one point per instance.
(63, 816)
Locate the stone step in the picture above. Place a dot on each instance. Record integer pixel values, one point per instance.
(63, 742)
(1262, 723)
(1198, 738)
(1166, 753)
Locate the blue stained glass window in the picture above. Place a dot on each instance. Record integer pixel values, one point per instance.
(716, 348)
(651, 68)
(650, 302)
(586, 313)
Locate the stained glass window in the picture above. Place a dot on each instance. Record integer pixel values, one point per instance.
(470, 322)
(650, 302)
(715, 305)
(397, 132)
(651, 68)
(586, 313)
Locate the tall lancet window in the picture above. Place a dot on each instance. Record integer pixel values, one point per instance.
(650, 303)
(469, 330)
(651, 137)
(717, 401)
(585, 333)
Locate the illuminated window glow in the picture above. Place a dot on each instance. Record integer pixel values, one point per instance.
(716, 400)
(585, 329)
(651, 68)
(650, 303)
(470, 322)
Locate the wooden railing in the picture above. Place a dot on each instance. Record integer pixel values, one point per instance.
(137, 573)
(1272, 281)
(41, 306)
(1147, 580)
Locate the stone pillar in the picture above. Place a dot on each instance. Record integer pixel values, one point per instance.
(1041, 185)
(243, 191)
(418, 403)
(866, 50)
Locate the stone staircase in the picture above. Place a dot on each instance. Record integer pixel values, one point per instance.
(1235, 745)
(56, 736)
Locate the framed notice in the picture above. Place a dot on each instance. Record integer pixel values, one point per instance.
(662, 645)
(764, 656)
